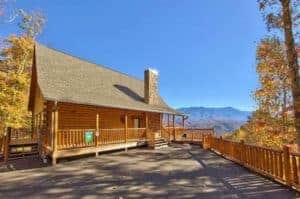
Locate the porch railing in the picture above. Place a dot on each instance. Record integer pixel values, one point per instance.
(111, 136)
(185, 134)
(77, 138)
(74, 138)
(136, 134)
(45, 139)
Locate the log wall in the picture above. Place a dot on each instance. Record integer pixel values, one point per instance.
(74, 116)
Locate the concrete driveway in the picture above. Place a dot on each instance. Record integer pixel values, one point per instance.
(180, 171)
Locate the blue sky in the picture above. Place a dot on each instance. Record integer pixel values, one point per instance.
(204, 50)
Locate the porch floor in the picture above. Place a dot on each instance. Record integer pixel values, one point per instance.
(179, 171)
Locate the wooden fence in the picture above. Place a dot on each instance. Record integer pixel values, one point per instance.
(280, 165)
(76, 138)
(179, 134)
(2, 145)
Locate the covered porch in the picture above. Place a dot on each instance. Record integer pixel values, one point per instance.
(67, 129)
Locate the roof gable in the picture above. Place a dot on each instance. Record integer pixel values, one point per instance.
(65, 78)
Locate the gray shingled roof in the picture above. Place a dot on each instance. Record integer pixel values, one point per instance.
(65, 78)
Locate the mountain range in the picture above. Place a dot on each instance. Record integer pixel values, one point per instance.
(223, 120)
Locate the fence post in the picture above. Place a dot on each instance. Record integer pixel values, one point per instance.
(287, 165)
(6, 146)
(241, 155)
(205, 142)
(221, 144)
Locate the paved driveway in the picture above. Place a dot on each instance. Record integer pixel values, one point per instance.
(174, 172)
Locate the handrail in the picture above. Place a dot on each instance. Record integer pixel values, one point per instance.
(185, 134)
(280, 165)
(77, 138)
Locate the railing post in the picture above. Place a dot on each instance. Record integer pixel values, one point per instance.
(221, 145)
(55, 134)
(126, 130)
(97, 130)
(96, 133)
(174, 128)
(287, 165)
(6, 146)
(205, 140)
(241, 154)
(148, 133)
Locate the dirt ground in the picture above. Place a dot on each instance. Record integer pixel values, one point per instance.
(180, 171)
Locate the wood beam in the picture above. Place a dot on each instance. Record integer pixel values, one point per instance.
(55, 132)
(97, 131)
(161, 120)
(146, 121)
(174, 127)
(126, 129)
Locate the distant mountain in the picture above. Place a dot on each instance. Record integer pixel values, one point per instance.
(223, 120)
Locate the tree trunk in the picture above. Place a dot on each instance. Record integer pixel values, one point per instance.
(292, 62)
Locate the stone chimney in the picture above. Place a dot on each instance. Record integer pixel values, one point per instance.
(151, 87)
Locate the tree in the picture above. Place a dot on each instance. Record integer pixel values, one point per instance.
(32, 23)
(15, 71)
(284, 15)
(271, 123)
(14, 81)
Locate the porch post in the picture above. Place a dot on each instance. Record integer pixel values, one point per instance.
(146, 121)
(97, 132)
(174, 127)
(183, 122)
(126, 130)
(161, 122)
(168, 120)
(55, 131)
(148, 134)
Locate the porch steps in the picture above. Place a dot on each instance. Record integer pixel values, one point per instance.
(20, 151)
(160, 143)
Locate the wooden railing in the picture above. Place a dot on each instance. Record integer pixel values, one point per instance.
(20, 134)
(185, 134)
(76, 138)
(280, 165)
(111, 136)
(2, 145)
(46, 139)
(136, 134)
(166, 133)
(192, 135)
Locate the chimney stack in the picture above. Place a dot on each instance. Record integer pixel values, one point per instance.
(151, 87)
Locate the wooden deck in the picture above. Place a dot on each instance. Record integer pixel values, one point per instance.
(98, 149)
(178, 171)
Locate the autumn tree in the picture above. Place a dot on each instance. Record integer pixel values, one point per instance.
(271, 124)
(274, 95)
(14, 81)
(284, 15)
(15, 67)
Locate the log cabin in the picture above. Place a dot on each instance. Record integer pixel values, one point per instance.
(79, 107)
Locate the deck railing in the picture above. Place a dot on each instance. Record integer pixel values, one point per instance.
(111, 136)
(77, 138)
(2, 144)
(46, 139)
(136, 134)
(185, 134)
(280, 165)
(74, 138)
